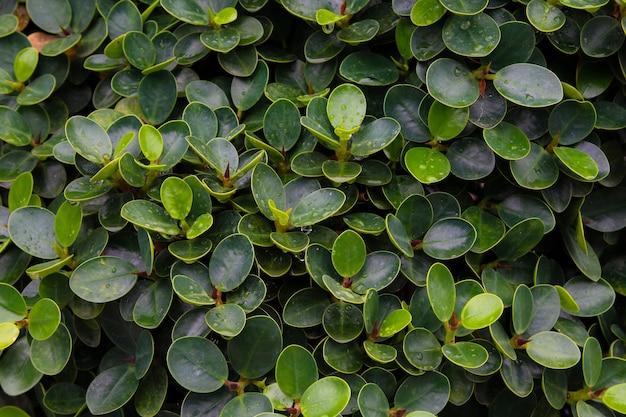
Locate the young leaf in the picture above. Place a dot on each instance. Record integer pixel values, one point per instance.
(441, 291)
(325, 397)
(481, 311)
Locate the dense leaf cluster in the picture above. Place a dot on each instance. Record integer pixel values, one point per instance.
(257, 208)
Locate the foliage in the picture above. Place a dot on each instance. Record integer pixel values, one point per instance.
(316, 208)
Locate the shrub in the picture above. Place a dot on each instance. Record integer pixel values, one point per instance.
(306, 207)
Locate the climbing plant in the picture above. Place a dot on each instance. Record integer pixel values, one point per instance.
(317, 208)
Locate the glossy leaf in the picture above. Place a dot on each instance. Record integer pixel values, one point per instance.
(441, 291)
(295, 370)
(231, 262)
(553, 350)
(427, 165)
(481, 311)
(197, 364)
(528, 85)
(449, 238)
(327, 396)
(348, 254)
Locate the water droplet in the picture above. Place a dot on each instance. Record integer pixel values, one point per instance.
(419, 356)
(529, 97)
(343, 107)
(458, 71)
(306, 229)
(107, 286)
(465, 25)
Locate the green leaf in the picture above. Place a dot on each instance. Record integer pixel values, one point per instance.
(346, 107)
(153, 305)
(306, 307)
(426, 12)
(226, 319)
(452, 83)
(441, 291)
(535, 171)
(587, 261)
(520, 239)
(373, 401)
(544, 16)
(368, 68)
(32, 230)
(67, 223)
(603, 209)
(21, 191)
(51, 355)
(266, 185)
(14, 128)
(246, 92)
(17, 373)
(380, 352)
(422, 349)
(51, 17)
(12, 304)
(577, 161)
(317, 206)
(571, 121)
(465, 354)
(614, 396)
(519, 207)
(394, 323)
(427, 165)
(231, 262)
(197, 364)
(327, 396)
(177, 197)
(25, 63)
(427, 392)
(103, 278)
(281, 125)
(342, 322)
(473, 36)
(9, 332)
(151, 142)
(64, 398)
(358, 32)
(89, 139)
(139, 50)
(592, 361)
(508, 141)
(150, 216)
(254, 351)
(481, 311)
(111, 389)
(529, 85)
(295, 370)
(445, 122)
(449, 238)
(553, 350)
(379, 270)
(348, 254)
(240, 62)
(156, 96)
(44, 319)
(188, 11)
(523, 308)
(592, 298)
(612, 40)
(374, 136)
